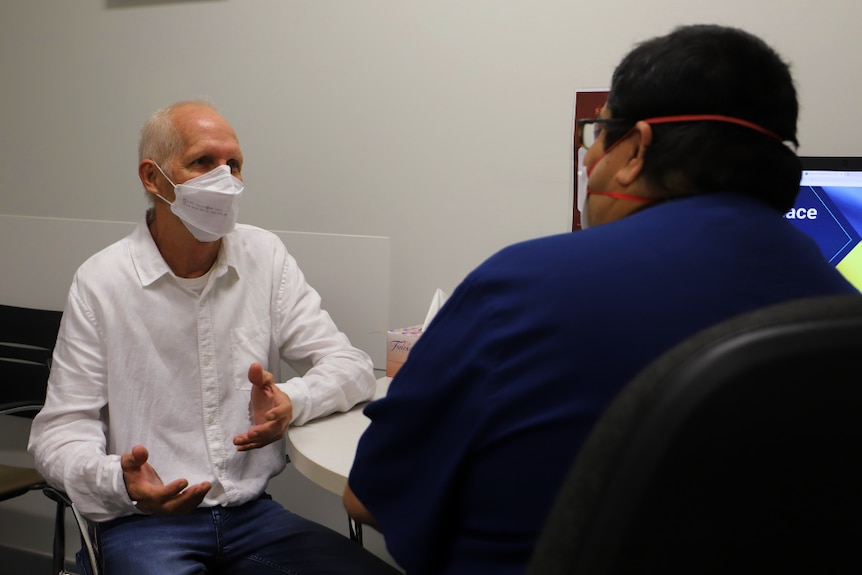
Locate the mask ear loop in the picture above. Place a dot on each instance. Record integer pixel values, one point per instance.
(617, 195)
(622, 196)
(156, 164)
(714, 118)
(161, 197)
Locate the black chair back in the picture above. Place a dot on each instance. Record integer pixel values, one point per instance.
(738, 451)
(27, 338)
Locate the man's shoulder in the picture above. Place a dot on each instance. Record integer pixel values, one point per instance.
(250, 233)
(252, 238)
(120, 249)
(250, 229)
(111, 254)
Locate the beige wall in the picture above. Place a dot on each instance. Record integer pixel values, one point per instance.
(441, 124)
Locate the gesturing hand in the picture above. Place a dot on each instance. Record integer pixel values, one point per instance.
(150, 494)
(271, 411)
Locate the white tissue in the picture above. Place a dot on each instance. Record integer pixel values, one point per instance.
(436, 303)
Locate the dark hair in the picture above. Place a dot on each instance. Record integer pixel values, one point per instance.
(710, 69)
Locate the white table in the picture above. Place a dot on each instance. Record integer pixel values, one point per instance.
(323, 449)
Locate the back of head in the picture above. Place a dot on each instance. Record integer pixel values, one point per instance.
(710, 69)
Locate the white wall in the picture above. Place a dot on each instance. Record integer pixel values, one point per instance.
(444, 125)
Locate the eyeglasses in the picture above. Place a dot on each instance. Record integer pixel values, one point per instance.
(590, 129)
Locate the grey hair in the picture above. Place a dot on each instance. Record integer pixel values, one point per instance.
(160, 141)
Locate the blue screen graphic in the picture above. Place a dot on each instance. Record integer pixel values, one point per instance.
(829, 210)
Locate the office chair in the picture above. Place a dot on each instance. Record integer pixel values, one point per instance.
(27, 338)
(19, 398)
(737, 451)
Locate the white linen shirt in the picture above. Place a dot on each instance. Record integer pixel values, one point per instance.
(141, 359)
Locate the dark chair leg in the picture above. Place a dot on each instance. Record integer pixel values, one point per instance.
(58, 561)
(88, 532)
(354, 529)
(59, 558)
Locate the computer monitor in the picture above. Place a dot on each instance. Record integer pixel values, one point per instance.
(829, 209)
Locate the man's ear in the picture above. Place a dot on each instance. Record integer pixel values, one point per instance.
(639, 140)
(149, 175)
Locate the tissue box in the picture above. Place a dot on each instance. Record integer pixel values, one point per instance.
(398, 345)
(399, 342)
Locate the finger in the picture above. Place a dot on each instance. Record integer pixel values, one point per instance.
(174, 488)
(255, 374)
(260, 436)
(190, 499)
(152, 488)
(172, 502)
(140, 452)
(151, 498)
(253, 435)
(247, 441)
(135, 459)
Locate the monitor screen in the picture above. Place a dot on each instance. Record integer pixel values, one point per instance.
(829, 209)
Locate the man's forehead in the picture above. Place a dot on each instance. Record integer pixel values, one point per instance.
(207, 132)
(208, 146)
(194, 118)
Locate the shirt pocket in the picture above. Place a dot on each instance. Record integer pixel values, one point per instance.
(249, 344)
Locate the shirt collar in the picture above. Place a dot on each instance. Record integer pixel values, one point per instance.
(150, 265)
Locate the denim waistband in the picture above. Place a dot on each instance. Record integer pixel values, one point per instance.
(106, 526)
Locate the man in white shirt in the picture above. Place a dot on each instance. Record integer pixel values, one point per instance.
(166, 367)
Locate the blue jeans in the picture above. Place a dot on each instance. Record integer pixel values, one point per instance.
(259, 537)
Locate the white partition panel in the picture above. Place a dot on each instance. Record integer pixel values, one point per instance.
(38, 257)
(351, 273)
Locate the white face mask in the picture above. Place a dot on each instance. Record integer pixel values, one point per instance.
(583, 181)
(208, 205)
